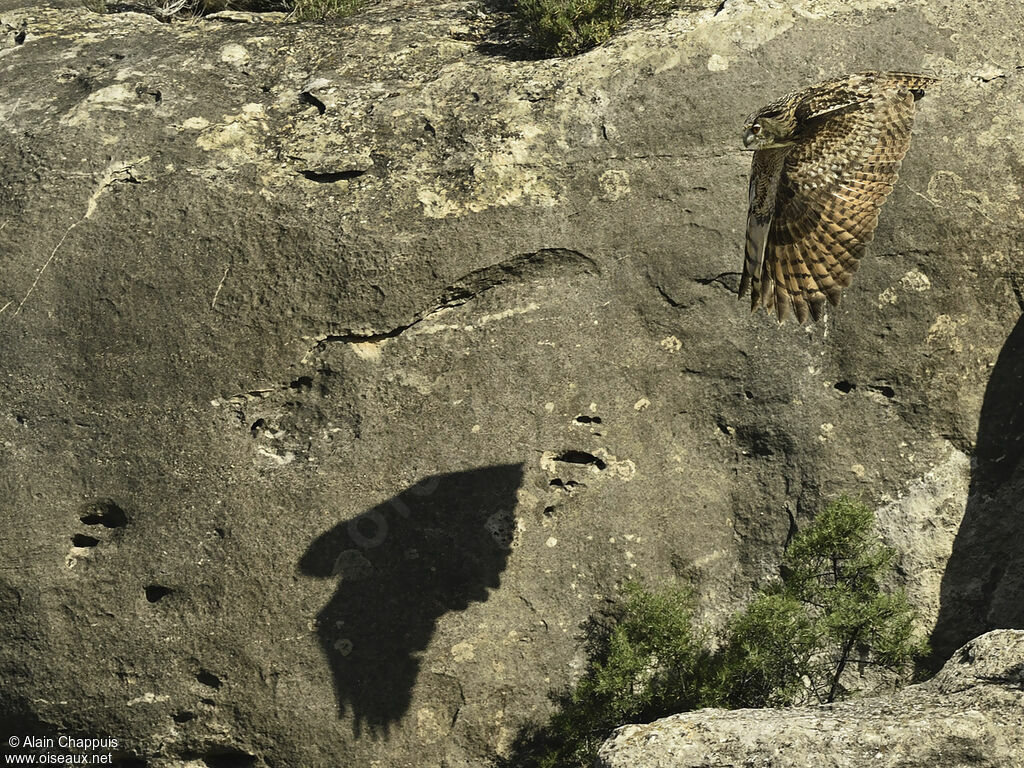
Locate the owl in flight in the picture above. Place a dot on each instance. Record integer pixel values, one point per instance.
(825, 159)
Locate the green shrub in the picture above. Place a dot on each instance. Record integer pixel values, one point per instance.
(567, 27)
(647, 666)
(304, 10)
(790, 645)
(769, 648)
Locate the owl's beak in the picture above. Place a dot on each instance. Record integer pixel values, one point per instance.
(748, 138)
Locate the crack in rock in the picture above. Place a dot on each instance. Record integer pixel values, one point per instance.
(115, 172)
(518, 269)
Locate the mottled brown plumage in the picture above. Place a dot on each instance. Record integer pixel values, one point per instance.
(825, 159)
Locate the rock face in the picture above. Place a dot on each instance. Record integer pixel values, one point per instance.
(970, 714)
(346, 369)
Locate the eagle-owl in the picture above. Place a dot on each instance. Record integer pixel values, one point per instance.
(825, 159)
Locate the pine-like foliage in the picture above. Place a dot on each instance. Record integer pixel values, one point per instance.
(791, 645)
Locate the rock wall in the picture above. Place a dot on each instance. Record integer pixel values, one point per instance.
(347, 368)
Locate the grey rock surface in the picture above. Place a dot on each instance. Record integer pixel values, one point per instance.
(970, 714)
(346, 369)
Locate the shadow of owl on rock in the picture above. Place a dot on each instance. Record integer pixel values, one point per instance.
(434, 548)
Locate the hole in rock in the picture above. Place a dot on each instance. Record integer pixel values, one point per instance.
(209, 679)
(106, 513)
(81, 540)
(580, 457)
(155, 592)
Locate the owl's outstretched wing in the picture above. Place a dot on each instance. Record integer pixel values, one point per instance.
(832, 184)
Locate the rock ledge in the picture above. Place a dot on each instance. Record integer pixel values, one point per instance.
(971, 713)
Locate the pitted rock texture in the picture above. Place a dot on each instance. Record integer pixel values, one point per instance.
(970, 714)
(346, 369)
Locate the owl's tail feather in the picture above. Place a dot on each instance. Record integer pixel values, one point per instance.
(783, 301)
(817, 304)
(766, 298)
(753, 260)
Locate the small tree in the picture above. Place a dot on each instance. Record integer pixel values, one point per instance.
(795, 641)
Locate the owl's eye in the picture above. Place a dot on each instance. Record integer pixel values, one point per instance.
(755, 128)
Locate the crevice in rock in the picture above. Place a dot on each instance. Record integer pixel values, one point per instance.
(331, 177)
(846, 387)
(371, 337)
(668, 299)
(81, 540)
(308, 98)
(719, 279)
(518, 269)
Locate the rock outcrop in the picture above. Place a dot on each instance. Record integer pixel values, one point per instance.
(346, 369)
(970, 714)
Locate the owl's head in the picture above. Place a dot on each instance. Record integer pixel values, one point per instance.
(771, 127)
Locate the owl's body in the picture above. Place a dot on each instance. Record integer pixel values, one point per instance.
(825, 159)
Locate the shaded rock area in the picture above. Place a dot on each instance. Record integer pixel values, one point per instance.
(346, 369)
(970, 714)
